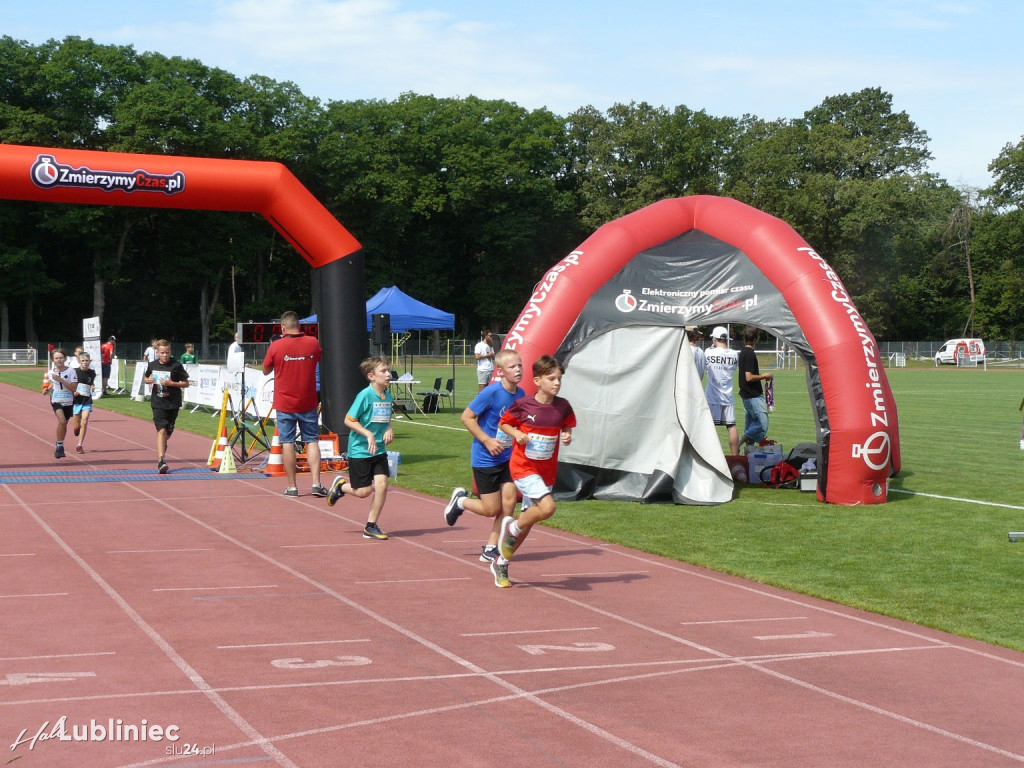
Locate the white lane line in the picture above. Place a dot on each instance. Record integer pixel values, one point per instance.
(742, 621)
(956, 498)
(413, 581)
(800, 636)
(204, 589)
(19, 554)
(58, 656)
(528, 631)
(41, 594)
(155, 551)
(593, 573)
(288, 645)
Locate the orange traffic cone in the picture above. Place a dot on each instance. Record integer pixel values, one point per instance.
(218, 454)
(275, 464)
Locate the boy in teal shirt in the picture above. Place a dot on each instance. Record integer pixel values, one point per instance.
(370, 433)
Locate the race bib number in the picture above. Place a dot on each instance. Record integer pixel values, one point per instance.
(541, 447)
(381, 413)
(504, 439)
(159, 377)
(62, 396)
(83, 389)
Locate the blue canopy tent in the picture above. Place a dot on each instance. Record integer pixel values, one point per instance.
(406, 314)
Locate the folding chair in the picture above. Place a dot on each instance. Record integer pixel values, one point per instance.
(449, 392)
(435, 390)
(431, 398)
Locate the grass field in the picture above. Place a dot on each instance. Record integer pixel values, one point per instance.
(937, 554)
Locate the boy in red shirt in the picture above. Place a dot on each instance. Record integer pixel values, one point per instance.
(538, 425)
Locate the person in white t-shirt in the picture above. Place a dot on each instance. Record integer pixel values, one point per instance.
(722, 363)
(484, 354)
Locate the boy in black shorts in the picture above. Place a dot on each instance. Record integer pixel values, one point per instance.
(167, 377)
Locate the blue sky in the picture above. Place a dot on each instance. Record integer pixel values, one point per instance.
(953, 66)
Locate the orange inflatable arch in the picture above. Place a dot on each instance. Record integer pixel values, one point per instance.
(53, 175)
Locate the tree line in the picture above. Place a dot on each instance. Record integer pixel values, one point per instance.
(465, 202)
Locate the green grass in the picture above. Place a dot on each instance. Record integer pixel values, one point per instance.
(928, 556)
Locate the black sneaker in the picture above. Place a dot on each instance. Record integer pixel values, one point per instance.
(489, 554)
(335, 493)
(58, 453)
(452, 511)
(291, 493)
(372, 531)
(162, 467)
(319, 491)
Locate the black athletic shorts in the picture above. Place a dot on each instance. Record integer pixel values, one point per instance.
(362, 471)
(164, 418)
(490, 479)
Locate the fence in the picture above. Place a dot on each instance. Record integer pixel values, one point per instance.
(424, 347)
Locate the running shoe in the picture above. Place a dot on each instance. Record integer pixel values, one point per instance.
(319, 491)
(335, 493)
(77, 431)
(452, 511)
(500, 571)
(372, 531)
(507, 543)
(291, 493)
(59, 452)
(489, 554)
(162, 467)
(79, 449)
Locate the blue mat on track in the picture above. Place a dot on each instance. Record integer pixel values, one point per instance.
(14, 477)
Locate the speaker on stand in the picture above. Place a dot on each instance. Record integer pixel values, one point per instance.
(381, 332)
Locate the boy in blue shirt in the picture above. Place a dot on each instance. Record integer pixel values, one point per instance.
(492, 448)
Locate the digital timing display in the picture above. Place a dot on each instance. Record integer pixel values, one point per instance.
(264, 333)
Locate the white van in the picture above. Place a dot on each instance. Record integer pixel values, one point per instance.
(948, 352)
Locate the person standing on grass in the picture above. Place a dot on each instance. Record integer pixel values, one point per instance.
(84, 391)
(189, 356)
(755, 407)
(106, 359)
(484, 354)
(722, 363)
(700, 361)
(167, 377)
(370, 434)
(538, 425)
(62, 381)
(492, 448)
(293, 359)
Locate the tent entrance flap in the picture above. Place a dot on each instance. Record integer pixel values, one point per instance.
(645, 432)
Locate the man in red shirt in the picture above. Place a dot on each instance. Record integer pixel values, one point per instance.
(106, 356)
(293, 359)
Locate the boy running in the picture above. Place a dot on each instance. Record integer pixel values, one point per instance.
(370, 433)
(83, 398)
(168, 378)
(537, 424)
(491, 451)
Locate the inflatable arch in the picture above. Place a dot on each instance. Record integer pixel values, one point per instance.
(705, 260)
(163, 181)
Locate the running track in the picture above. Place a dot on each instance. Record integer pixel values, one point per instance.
(267, 631)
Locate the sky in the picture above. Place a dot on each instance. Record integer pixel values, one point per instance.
(954, 66)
